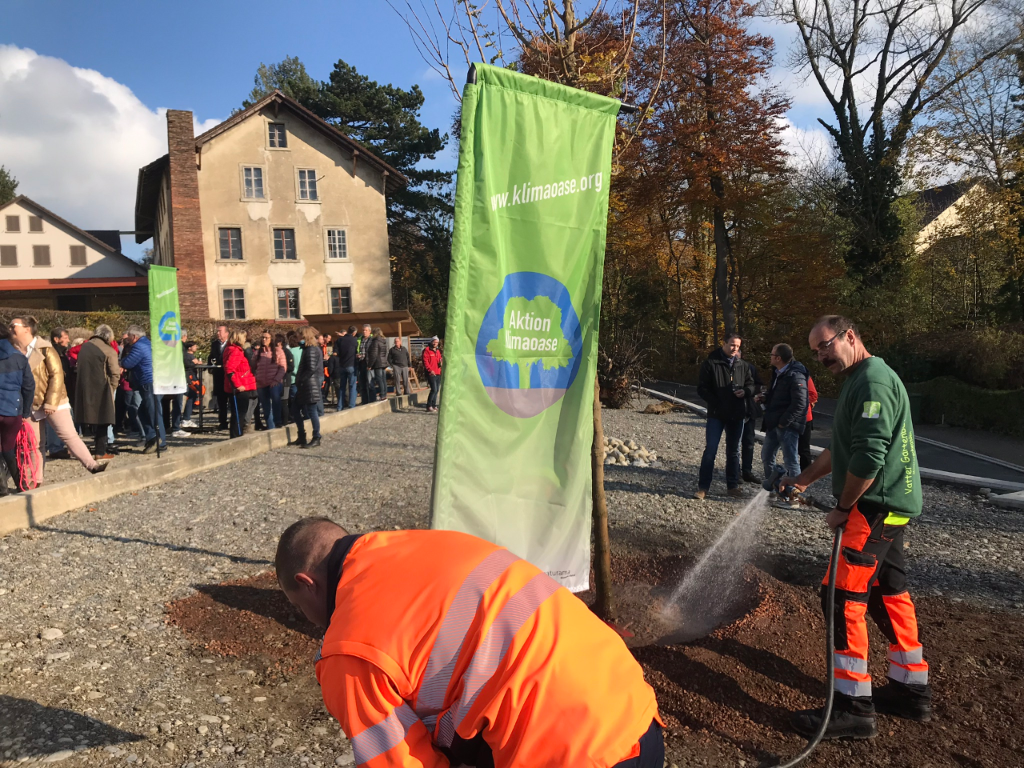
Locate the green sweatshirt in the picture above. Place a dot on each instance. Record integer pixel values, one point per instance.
(872, 436)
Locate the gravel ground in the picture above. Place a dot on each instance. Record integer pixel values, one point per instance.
(91, 673)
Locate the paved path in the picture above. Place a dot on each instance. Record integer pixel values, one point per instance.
(930, 456)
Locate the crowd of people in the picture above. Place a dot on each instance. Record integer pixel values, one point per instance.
(736, 398)
(101, 388)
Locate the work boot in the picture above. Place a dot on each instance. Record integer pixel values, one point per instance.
(314, 443)
(150, 446)
(736, 493)
(700, 494)
(899, 700)
(751, 478)
(841, 724)
(11, 463)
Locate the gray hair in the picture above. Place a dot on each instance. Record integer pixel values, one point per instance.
(105, 332)
(838, 324)
(135, 330)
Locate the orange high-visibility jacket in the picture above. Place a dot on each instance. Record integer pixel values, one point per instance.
(438, 636)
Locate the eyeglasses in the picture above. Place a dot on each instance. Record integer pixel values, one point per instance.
(823, 347)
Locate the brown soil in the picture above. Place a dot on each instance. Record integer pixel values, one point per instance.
(725, 698)
(248, 619)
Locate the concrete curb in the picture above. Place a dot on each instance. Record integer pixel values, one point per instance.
(934, 475)
(26, 510)
(1009, 500)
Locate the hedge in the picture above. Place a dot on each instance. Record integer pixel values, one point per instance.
(947, 400)
(199, 329)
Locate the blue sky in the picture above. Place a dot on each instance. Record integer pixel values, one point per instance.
(83, 85)
(203, 55)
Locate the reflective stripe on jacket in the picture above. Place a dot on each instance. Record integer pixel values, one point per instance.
(437, 636)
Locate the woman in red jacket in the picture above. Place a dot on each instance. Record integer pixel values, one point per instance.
(432, 364)
(239, 384)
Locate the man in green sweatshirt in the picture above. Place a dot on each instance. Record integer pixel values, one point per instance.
(876, 479)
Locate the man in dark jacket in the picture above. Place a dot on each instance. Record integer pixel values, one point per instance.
(725, 384)
(345, 349)
(217, 345)
(364, 372)
(785, 413)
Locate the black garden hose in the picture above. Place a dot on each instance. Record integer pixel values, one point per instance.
(830, 647)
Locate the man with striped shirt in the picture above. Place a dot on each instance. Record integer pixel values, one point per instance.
(444, 649)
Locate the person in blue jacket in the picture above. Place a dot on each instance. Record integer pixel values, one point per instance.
(139, 364)
(17, 388)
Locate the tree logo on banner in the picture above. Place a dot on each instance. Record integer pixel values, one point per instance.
(168, 329)
(528, 348)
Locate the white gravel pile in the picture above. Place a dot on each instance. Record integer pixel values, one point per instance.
(626, 453)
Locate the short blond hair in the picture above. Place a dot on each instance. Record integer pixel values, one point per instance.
(309, 334)
(237, 337)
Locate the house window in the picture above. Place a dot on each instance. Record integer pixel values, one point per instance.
(341, 301)
(287, 303)
(78, 256)
(307, 184)
(230, 243)
(284, 244)
(278, 137)
(253, 183)
(14, 224)
(337, 244)
(8, 255)
(35, 224)
(41, 255)
(234, 303)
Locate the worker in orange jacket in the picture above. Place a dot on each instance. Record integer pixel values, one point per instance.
(444, 649)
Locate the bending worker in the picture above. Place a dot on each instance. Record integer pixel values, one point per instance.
(878, 485)
(444, 649)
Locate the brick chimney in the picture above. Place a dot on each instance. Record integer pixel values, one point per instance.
(186, 221)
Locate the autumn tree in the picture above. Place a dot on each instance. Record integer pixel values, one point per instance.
(711, 137)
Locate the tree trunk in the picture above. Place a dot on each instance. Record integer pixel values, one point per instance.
(722, 257)
(604, 605)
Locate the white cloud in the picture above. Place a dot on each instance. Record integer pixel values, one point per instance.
(806, 146)
(76, 139)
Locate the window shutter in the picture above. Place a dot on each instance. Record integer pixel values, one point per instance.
(14, 224)
(41, 255)
(8, 255)
(78, 256)
(35, 224)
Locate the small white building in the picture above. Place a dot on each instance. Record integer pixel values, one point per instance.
(47, 262)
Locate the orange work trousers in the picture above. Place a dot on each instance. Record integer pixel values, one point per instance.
(871, 578)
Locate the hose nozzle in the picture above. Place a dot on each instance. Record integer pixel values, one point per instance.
(771, 483)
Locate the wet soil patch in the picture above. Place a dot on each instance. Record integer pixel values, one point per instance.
(727, 697)
(248, 619)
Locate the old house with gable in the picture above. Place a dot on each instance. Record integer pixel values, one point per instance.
(273, 214)
(46, 262)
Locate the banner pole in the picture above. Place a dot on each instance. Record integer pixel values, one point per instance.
(604, 604)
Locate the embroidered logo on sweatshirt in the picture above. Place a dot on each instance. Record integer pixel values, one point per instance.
(872, 410)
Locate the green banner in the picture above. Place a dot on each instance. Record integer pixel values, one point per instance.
(165, 331)
(516, 423)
